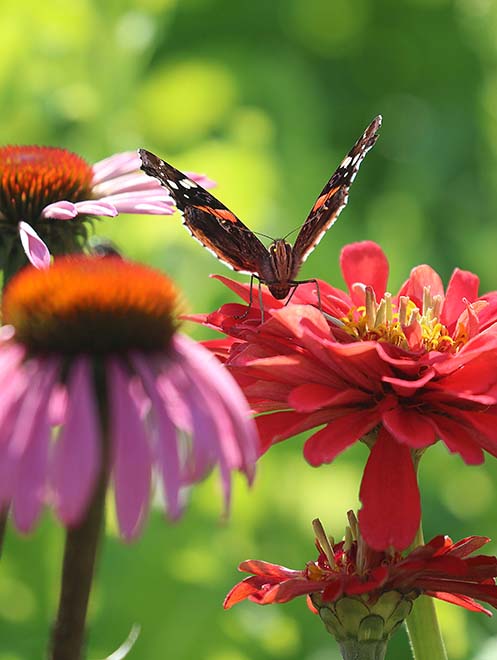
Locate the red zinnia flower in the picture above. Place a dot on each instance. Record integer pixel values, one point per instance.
(397, 371)
(350, 577)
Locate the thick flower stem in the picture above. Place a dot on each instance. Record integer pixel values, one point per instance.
(422, 625)
(77, 575)
(353, 649)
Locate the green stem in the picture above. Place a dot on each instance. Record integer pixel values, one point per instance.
(77, 576)
(4, 514)
(353, 649)
(80, 552)
(422, 625)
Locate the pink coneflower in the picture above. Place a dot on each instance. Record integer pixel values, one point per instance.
(92, 350)
(41, 186)
(399, 372)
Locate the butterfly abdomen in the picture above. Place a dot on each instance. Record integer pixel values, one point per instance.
(279, 269)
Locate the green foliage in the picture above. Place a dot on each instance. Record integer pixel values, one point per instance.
(265, 97)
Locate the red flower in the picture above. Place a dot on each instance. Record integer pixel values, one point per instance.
(397, 371)
(351, 569)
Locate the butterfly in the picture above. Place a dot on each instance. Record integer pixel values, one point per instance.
(222, 233)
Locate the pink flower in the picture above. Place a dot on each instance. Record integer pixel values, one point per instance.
(41, 185)
(374, 582)
(92, 351)
(396, 371)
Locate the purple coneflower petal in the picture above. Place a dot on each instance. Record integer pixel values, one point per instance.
(240, 448)
(128, 183)
(63, 210)
(97, 207)
(142, 202)
(115, 166)
(166, 445)
(30, 492)
(35, 249)
(210, 426)
(131, 453)
(76, 457)
(202, 179)
(29, 447)
(10, 405)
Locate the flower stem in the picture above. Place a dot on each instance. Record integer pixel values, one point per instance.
(77, 575)
(422, 625)
(353, 649)
(4, 514)
(80, 552)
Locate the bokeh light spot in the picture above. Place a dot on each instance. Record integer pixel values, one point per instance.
(183, 102)
(17, 603)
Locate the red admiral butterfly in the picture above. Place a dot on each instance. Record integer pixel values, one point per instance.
(222, 233)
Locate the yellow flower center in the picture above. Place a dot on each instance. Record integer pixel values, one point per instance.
(404, 325)
(91, 305)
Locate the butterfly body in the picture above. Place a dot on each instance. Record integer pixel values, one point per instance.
(220, 231)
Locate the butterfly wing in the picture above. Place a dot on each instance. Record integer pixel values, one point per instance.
(207, 219)
(334, 195)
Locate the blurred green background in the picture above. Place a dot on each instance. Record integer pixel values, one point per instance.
(266, 97)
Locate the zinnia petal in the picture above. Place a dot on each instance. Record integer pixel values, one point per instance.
(391, 509)
(364, 263)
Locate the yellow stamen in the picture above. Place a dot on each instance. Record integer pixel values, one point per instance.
(404, 325)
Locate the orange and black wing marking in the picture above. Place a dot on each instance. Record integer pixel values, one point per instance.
(207, 219)
(334, 195)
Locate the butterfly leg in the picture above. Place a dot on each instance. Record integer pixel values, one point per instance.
(240, 317)
(261, 304)
(295, 285)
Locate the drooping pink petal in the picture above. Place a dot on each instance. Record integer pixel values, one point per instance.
(213, 432)
(131, 453)
(29, 448)
(166, 445)
(391, 509)
(31, 478)
(35, 249)
(76, 455)
(240, 449)
(364, 263)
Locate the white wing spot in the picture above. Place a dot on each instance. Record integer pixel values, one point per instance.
(172, 184)
(346, 161)
(186, 183)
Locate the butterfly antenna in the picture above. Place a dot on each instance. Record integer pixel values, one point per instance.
(259, 233)
(292, 231)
